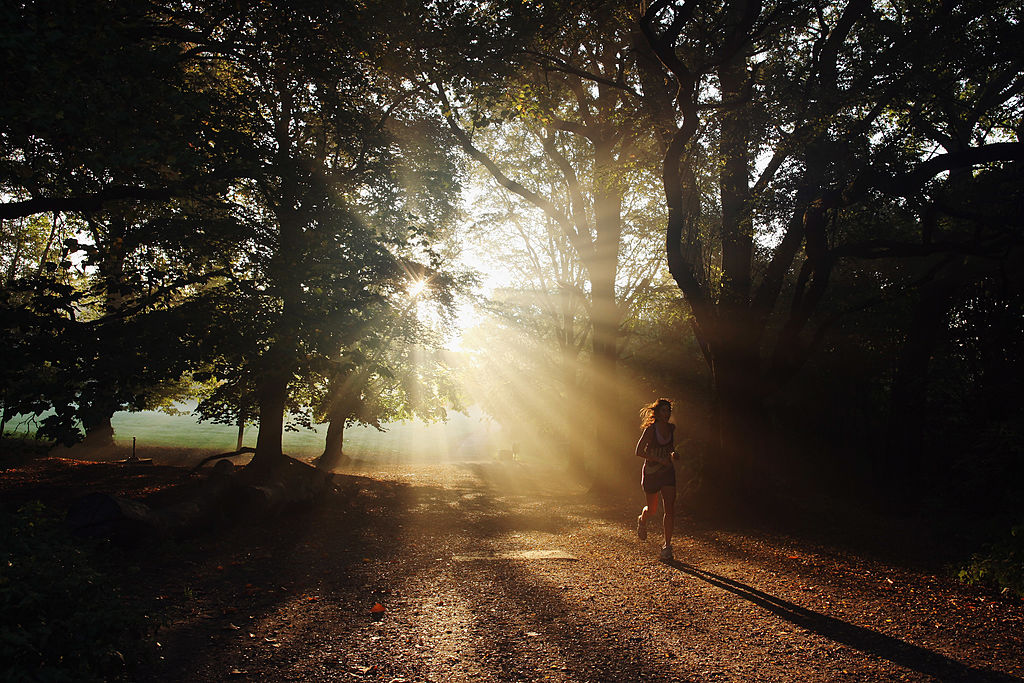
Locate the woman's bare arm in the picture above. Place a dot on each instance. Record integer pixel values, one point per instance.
(641, 445)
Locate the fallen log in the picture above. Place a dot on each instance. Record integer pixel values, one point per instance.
(122, 520)
(223, 496)
(129, 522)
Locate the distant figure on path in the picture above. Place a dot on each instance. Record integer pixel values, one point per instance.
(657, 447)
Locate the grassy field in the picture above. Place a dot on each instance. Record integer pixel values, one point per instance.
(463, 437)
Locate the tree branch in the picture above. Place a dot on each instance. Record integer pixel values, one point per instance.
(583, 246)
(909, 183)
(577, 202)
(86, 202)
(663, 46)
(558, 65)
(876, 249)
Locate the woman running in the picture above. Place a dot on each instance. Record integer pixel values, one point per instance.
(657, 447)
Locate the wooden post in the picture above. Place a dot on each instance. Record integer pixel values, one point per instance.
(241, 433)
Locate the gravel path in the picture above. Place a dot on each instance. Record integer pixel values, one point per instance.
(463, 560)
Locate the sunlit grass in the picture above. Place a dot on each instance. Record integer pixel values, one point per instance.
(462, 437)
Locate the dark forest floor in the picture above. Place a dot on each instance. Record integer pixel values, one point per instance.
(451, 553)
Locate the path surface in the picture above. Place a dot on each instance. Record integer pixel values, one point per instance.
(437, 547)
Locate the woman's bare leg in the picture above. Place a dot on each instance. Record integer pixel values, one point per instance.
(668, 495)
(651, 508)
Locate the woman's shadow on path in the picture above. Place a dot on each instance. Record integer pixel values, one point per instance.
(871, 642)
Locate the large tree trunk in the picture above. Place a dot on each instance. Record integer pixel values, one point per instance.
(343, 397)
(604, 265)
(98, 404)
(738, 459)
(605, 315)
(241, 433)
(903, 473)
(734, 190)
(902, 469)
(334, 453)
(99, 432)
(733, 342)
(281, 359)
(273, 396)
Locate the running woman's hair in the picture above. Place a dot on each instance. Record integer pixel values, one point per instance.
(647, 412)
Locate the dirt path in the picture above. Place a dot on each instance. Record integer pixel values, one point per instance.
(440, 547)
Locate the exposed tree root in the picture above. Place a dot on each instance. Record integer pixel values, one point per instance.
(230, 454)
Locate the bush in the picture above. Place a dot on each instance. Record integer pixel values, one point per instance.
(61, 617)
(1001, 565)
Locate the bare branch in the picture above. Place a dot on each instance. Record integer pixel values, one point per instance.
(577, 202)
(583, 246)
(556, 64)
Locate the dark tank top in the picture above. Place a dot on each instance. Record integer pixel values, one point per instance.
(656, 448)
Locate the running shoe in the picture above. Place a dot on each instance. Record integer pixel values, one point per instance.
(641, 528)
(666, 554)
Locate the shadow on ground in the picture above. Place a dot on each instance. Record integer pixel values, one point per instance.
(865, 640)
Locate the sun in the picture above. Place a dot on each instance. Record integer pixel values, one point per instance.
(417, 287)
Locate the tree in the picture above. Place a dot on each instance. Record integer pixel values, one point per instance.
(112, 148)
(565, 137)
(396, 370)
(333, 197)
(795, 104)
(100, 111)
(272, 181)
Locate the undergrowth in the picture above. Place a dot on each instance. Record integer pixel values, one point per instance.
(1000, 565)
(62, 616)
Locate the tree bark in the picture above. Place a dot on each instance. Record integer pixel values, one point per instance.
(334, 453)
(740, 427)
(734, 190)
(733, 343)
(280, 361)
(604, 264)
(99, 432)
(273, 396)
(902, 469)
(99, 405)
